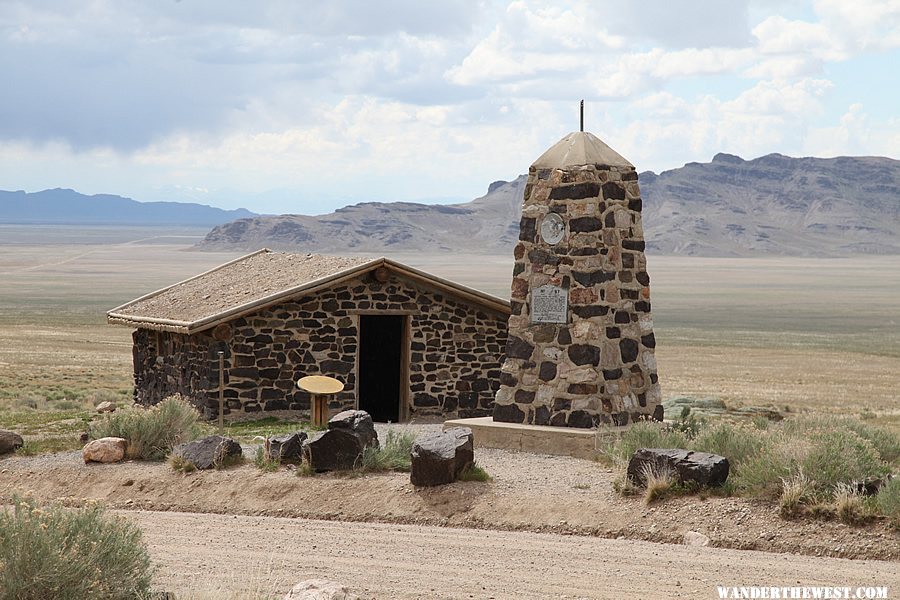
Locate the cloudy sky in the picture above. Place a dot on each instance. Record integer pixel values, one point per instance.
(290, 106)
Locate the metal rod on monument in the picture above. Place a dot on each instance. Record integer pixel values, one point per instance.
(221, 393)
(582, 115)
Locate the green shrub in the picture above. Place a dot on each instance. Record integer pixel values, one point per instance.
(53, 552)
(151, 432)
(888, 500)
(264, 462)
(885, 443)
(475, 473)
(393, 455)
(736, 442)
(840, 456)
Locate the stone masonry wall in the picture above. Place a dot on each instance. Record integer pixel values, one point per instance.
(455, 352)
(599, 367)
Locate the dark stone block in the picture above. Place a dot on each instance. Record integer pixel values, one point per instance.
(425, 400)
(251, 372)
(622, 317)
(547, 371)
(659, 413)
(576, 191)
(508, 413)
(584, 252)
(633, 245)
(635, 205)
(518, 348)
(544, 333)
(620, 419)
(589, 311)
(468, 400)
(558, 419)
(628, 348)
(287, 447)
(439, 458)
(564, 336)
(276, 405)
(542, 415)
(527, 229)
(540, 257)
(584, 354)
(643, 278)
(580, 418)
(613, 191)
(589, 278)
(209, 452)
(585, 224)
(582, 389)
(613, 333)
(333, 450)
(518, 268)
(609, 220)
(612, 374)
(642, 306)
(630, 176)
(649, 340)
(524, 397)
(562, 404)
(337, 366)
(698, 467)
(508, 379)
(480, 385)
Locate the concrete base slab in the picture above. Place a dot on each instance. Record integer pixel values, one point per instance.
(537, 439)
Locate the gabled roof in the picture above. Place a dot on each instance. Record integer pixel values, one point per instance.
(262, 279)
(580, 148)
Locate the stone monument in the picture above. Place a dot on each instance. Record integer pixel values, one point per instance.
(581, 346)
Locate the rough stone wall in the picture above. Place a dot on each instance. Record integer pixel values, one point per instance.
(598, 367)
(455, 351)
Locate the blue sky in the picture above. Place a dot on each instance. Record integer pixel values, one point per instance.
(285, 106)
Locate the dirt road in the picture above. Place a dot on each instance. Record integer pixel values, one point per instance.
(268, 554)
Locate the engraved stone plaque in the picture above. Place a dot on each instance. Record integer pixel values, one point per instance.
(549, 304)
(552, 229)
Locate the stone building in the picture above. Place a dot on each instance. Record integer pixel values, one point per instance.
(580, 351)
(406, 344)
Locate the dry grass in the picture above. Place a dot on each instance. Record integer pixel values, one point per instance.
(796, 491)
(659, 483)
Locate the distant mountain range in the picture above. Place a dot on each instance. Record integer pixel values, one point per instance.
(773, 205)
(69, 207)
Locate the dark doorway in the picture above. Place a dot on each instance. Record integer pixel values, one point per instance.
(380, 368)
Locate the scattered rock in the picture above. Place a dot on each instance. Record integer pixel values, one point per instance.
(872, 485)
(106, 407)
(286, 447)
(210, 452)
(341, 447)
(359, 422)
(105, 450)
(85, 437)
(333, 450)
(439, 458)
(320, 589)
(700, 467)
(692, 538)
(10, 441)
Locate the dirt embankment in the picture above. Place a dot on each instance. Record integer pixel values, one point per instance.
(529, 493)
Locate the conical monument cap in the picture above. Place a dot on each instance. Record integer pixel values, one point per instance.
(580, 148)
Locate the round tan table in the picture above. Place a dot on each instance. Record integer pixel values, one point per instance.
(320, 388)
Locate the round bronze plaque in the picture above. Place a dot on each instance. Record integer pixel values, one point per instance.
(222, 332)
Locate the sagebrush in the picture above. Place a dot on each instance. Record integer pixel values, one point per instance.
(70, 554)
(151, 432)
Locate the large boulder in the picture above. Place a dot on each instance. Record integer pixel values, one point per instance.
(320, 589)
(210, 452)
(439, 458)
(10, 441)
(699, 467)
(359, 422)
(105, 450)
(333, 450)
(106, 407)
(286, 447)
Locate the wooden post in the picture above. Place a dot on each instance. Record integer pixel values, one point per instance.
(221, 393)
